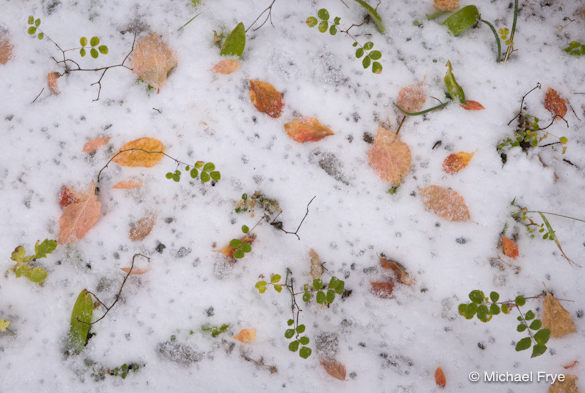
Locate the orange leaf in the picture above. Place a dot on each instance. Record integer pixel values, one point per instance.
(142, 227)
(152, 60)
(52, 82)
(446, 5)
(127, 184)
(382, 289)
(266, 98)
(470, 105)
(398, 270)
(571, 365)
(226, 66)
(141, 158)
(334, 368)
(440, 379)
(411, 98)
(554, 103)
(509, 247)
(389, 156)
(95, 143)
(445, 203)
(5, 51)
(136, 270)
(246, 336)
(456, 162)
(79, 217)
(307, 129)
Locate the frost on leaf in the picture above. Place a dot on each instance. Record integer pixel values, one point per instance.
(382, 289)
(398, 270)
(246, 336)
(509, 248)
(440, 378)
(389, 156)
(127, 184)
(95, 143)
(334, 368)
(555, 104)
(446, 5)
(456, 162)
(142, 227)
(226, 66)
(266, 98)
(307, 129)
(152, 60)
(5, 50)
(52, 82)
(556, 318)
(411, 98)
(316, 267)
(137, 157)
(568, 385)
(79, 217)
(445, 203)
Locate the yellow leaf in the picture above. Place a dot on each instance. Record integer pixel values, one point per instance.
(142, 227)
(52, 82)
(79, 217)
(95, 143)
(556, 318)
(127, 184)
(266, 98)
(568, 385)
(226, 66)
(246, 336)
(5, 51)
(411, 98)
(152, 60)
(307, 129)
(445, 203)
(389, 156)
(334, 368)
(4, 325)
(135, 158)
(456, 162)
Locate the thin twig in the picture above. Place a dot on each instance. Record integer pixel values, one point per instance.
(189, 21)
(401, 123)
(278, 224)
(511, 46)
(38, 95)
(268, 17)
(538, 86)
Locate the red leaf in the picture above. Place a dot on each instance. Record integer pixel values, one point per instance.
(382, 289)
(509, 247)
(334, 368)
(440, 379)
(470, 105)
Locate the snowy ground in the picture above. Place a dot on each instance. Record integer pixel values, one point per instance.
(387, 345)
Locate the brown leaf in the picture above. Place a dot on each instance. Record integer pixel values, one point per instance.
(79, 217)
(94, 144)
(307, 129)
(152, 60)
(316, 267)
(411, 98)
(509, 248)
(440, 379)
(142, 227)
(456, 162)
(568, 385)
(445, 203)
(246, 336)
(334, 368)
(471, 105)
(5, 50)
(127, 184)
(398, 270)
(226, 66)
(446, 5)
(389, 156)
(382, 289)
(141, 158)
(554, 103)
(266, 98)
(52, 82)
(556, 318)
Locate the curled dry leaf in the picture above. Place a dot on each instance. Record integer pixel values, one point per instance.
(411, 98)
(440, 379)
(136, 270)
(226, 66)
(446, 5)
(152, 60)
(5, 50)
(140, 158)
(471, 105)
(456, 162)
(556, 318)
(389, 156)
(246, 336)
(127, 184)
(95, 143)
(79, 217)
(307, 129)
(316, 267)
(399, 271)
(509, 247)
(334, 368)
(229, 251)
(445, 203)
(382, 289)
(266, 98)
(554, 103)
(568, 385)
(142, 227)
(52, 82)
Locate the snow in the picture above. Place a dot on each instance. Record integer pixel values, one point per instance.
(387, 345)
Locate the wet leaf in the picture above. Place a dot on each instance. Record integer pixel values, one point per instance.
(382, 289)
(446, 5)
(445, 203)
(79, 217)
(555, 104)
(142, 227)
(226, 66)
(440, 379)
(411, 98)
(316, 267)
(399, 271)
(471, 105)
(152, 60)
(235, 42)
(141, 158)
(5, 50)
(453, 89)
(307, 129)
(266, 98)
(462, 20)
(246, 336)
(52, 82)
(456, 162)
(334, 368)
(509, 248)
(556, 318)
(95, 143)
(127, 184)
(80, 319)
(389, 156)
(568, 385)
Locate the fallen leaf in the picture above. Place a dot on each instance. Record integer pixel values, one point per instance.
(556, 318)
(456, 162)
(52, 82)
(246, 336)
(95, 143)
(316, 267)
(445, 203)
(389, 156)
(127, 184)
(142, 227)
(440, 379)
(79, 217)
(137, 270)
(571, 365)
(382, 289)
(229, 251)
(398, 270)
(5, 51)
(471, 105)
(334, 368)
(69, 196)
(555, 104)
(411, 98)
(509, 247)
(226, 66)
(235, 42)
(140, 158)
(152, 60)
(266, 98)
(307, 129)
(568, 385)
(446, 5)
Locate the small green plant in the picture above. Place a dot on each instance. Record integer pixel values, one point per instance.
(575, 48)
(99, 373)
(484, 308)
(240, 247)
(25, 263)
(215, 330)
(204, 171)
(257, 199)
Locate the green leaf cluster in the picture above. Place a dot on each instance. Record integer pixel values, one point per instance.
(274, 281)
(204, 171)
(94, 49)
(536, 334)
(323, 295)
(122, 371)
(241, 247)
(298, 340)
(323, 22)
(527, 135)
(483, 307)
(24, 267)
(33, 28)
(575, 48)
(370, 56)
(215, 330)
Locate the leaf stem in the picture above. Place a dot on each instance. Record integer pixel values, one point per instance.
(189, 21)
(441, 105)
(499, 45)
(511, 46)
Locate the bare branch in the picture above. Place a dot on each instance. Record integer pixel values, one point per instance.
(278, 224)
